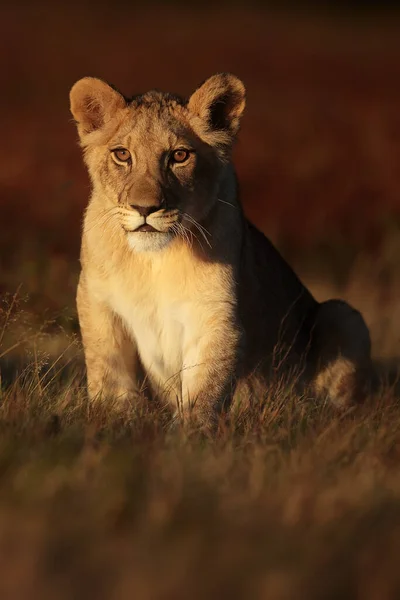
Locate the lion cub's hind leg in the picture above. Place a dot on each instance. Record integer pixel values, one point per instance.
(341, 352)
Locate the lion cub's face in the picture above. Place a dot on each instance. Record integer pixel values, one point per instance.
(156, 161)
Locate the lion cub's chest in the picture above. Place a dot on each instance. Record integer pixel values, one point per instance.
(160, 326)
(163, 311)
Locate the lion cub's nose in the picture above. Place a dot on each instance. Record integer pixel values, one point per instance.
(145, 211)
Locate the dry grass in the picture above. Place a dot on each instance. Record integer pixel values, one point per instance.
(291, 500)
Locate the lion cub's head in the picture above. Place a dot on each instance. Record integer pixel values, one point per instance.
(156, 161)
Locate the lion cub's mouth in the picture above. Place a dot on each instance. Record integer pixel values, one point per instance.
(145, 227)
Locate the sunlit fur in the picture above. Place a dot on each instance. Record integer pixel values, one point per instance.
(205, 304)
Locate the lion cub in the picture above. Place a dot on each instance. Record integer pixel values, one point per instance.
(175, 282)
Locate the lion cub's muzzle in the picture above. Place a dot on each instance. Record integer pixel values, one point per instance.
(147, 219)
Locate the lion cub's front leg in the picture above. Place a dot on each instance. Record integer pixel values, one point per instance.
(111, 356)
(208, 376)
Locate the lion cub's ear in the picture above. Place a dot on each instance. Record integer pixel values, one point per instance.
(220, 103)
(93, 104)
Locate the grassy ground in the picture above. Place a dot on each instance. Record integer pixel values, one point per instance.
(291, 500)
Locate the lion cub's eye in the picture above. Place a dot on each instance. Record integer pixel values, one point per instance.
(181, 155)
(121, 155)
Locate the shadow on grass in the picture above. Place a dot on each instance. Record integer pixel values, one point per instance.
(18, 369)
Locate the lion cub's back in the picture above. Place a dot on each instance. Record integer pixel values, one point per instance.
(275, 306)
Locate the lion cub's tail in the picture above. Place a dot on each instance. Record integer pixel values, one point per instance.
(341, 351)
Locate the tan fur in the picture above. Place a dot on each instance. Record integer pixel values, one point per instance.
(203, 301)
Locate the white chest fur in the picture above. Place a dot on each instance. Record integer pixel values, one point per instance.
(165, 300)
(159, 327)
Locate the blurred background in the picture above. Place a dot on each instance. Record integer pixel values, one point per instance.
(318, 156)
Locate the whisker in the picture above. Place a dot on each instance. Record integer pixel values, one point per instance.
(202, 230)
(104, 217)
(203, 234)
(192, 235)
(192, 220)
(185, 236)
(228, 203)
(175, 229)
